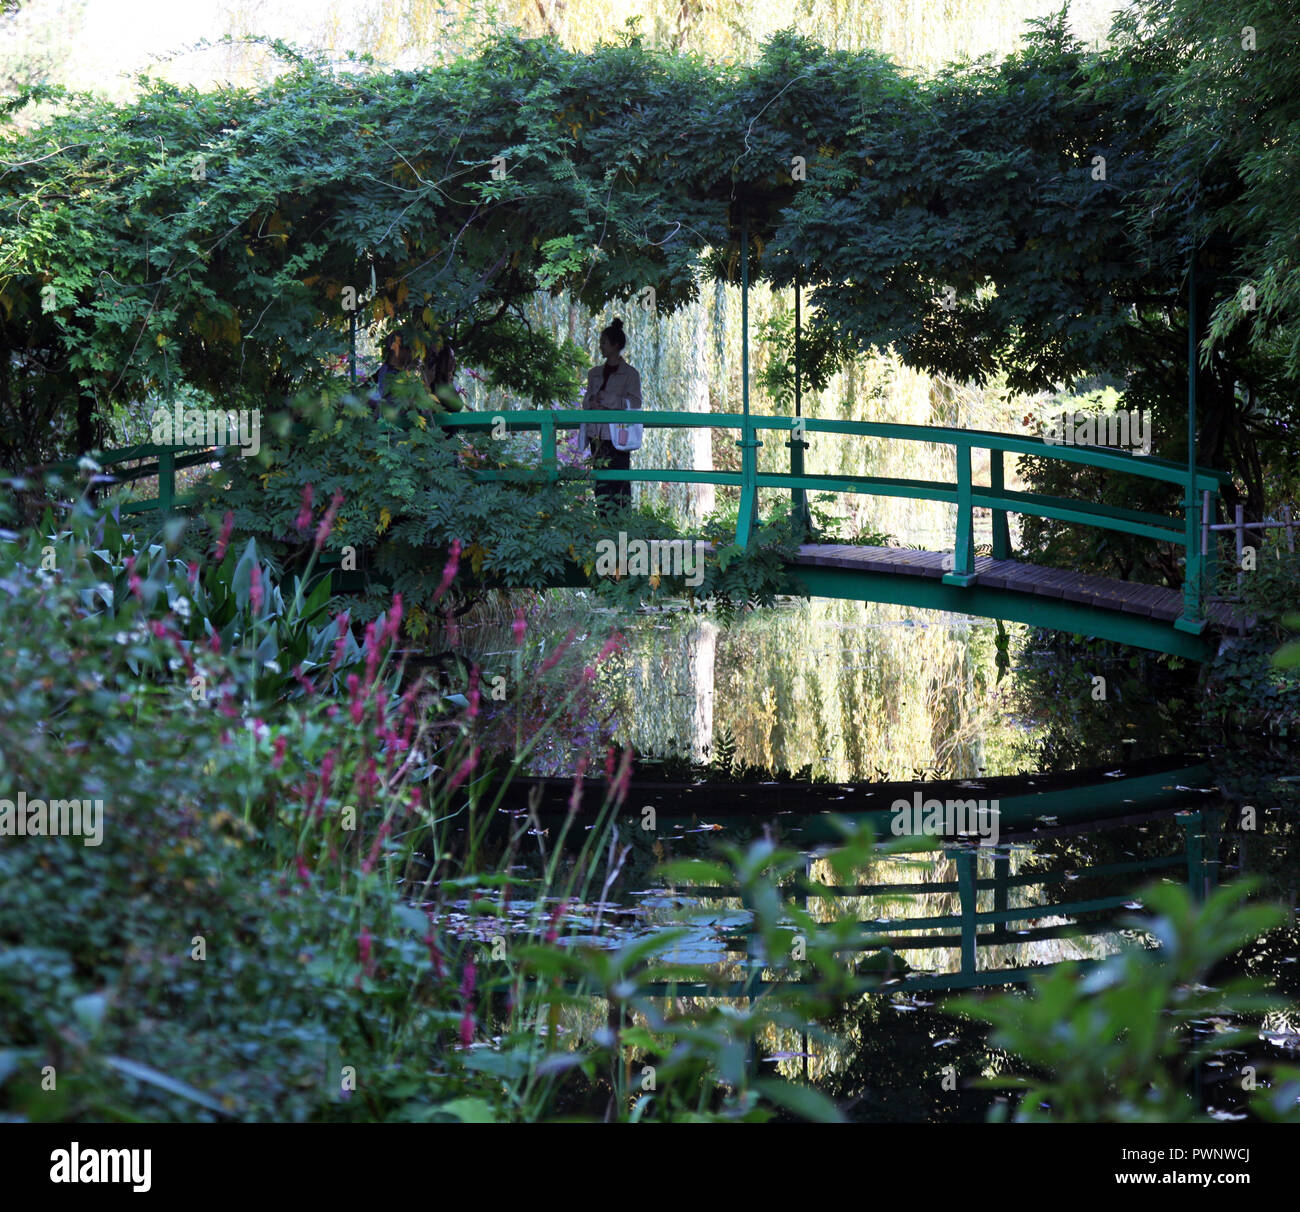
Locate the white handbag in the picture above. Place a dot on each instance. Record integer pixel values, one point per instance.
(625, 435)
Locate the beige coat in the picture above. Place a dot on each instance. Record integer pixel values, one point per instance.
(624, 383)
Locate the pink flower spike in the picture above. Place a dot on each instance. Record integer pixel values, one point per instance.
(277, 758)
(327, 522)
(520, 626)
(394, 623)
(552, 930)
(464, 770)
(255, 590)
(227, 525)
(304, 514)
(553, 659)
(340, 642)
(473, 693)
(613, 644)
(623, 778)
(449, 572)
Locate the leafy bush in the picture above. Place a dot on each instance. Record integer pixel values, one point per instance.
(1120, 1043)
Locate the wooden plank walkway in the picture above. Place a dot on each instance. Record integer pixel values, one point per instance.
(1106, 593)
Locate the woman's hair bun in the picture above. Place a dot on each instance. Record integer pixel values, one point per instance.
(617, 323)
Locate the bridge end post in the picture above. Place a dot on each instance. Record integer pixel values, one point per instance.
(966, 895)
(1192, 620)
(166, 481)
(550, 463)
(799, 496)
(963, 559)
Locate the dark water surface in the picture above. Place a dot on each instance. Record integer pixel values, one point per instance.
(773, 723)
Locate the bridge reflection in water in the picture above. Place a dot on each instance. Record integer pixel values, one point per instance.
(1073, 852)
(965, 915)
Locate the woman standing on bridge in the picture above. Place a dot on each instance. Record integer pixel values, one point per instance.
(616, 384)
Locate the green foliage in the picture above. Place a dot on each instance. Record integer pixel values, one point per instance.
(961, 220)
(1252, 685)
(1119, 1043)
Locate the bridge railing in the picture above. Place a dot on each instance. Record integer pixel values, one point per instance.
(1181, 530)
(972, 931)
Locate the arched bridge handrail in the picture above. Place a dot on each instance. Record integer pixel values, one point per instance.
(1149, 466)
(965, 494)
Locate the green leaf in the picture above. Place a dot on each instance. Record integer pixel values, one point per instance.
(151, 1076)
(804, 1101)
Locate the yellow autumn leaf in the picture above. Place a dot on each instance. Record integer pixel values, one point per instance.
(384, 519)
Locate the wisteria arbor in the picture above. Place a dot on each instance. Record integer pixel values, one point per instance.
(997, 219)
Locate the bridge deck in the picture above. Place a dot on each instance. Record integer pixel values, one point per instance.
(1107, 593)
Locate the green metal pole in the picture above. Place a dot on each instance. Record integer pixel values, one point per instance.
(966, 888)
(1191, 619)
(797, 445)
(166, 481)
(963, 555)
(1193, 824)
(746, 518)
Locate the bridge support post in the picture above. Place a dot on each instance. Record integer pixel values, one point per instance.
(747, 516)
(550, 464)
(1198, 870)
(966, 895)
(1001, 872)
(1191, 620)
(799, 496)
(1001, 532)
(166, 481)
(963, 557)
(797, 444)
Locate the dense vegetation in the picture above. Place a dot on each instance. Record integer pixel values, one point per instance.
(307, 907)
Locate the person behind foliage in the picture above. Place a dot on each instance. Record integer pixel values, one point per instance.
(434, 371)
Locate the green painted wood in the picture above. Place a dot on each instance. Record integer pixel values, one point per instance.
(1054, 614)
(963, 559)
(166, 481)
(1129, 622)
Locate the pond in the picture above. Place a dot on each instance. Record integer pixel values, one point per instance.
(771, 724)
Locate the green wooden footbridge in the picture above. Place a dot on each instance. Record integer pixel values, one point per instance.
(1177, 621)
